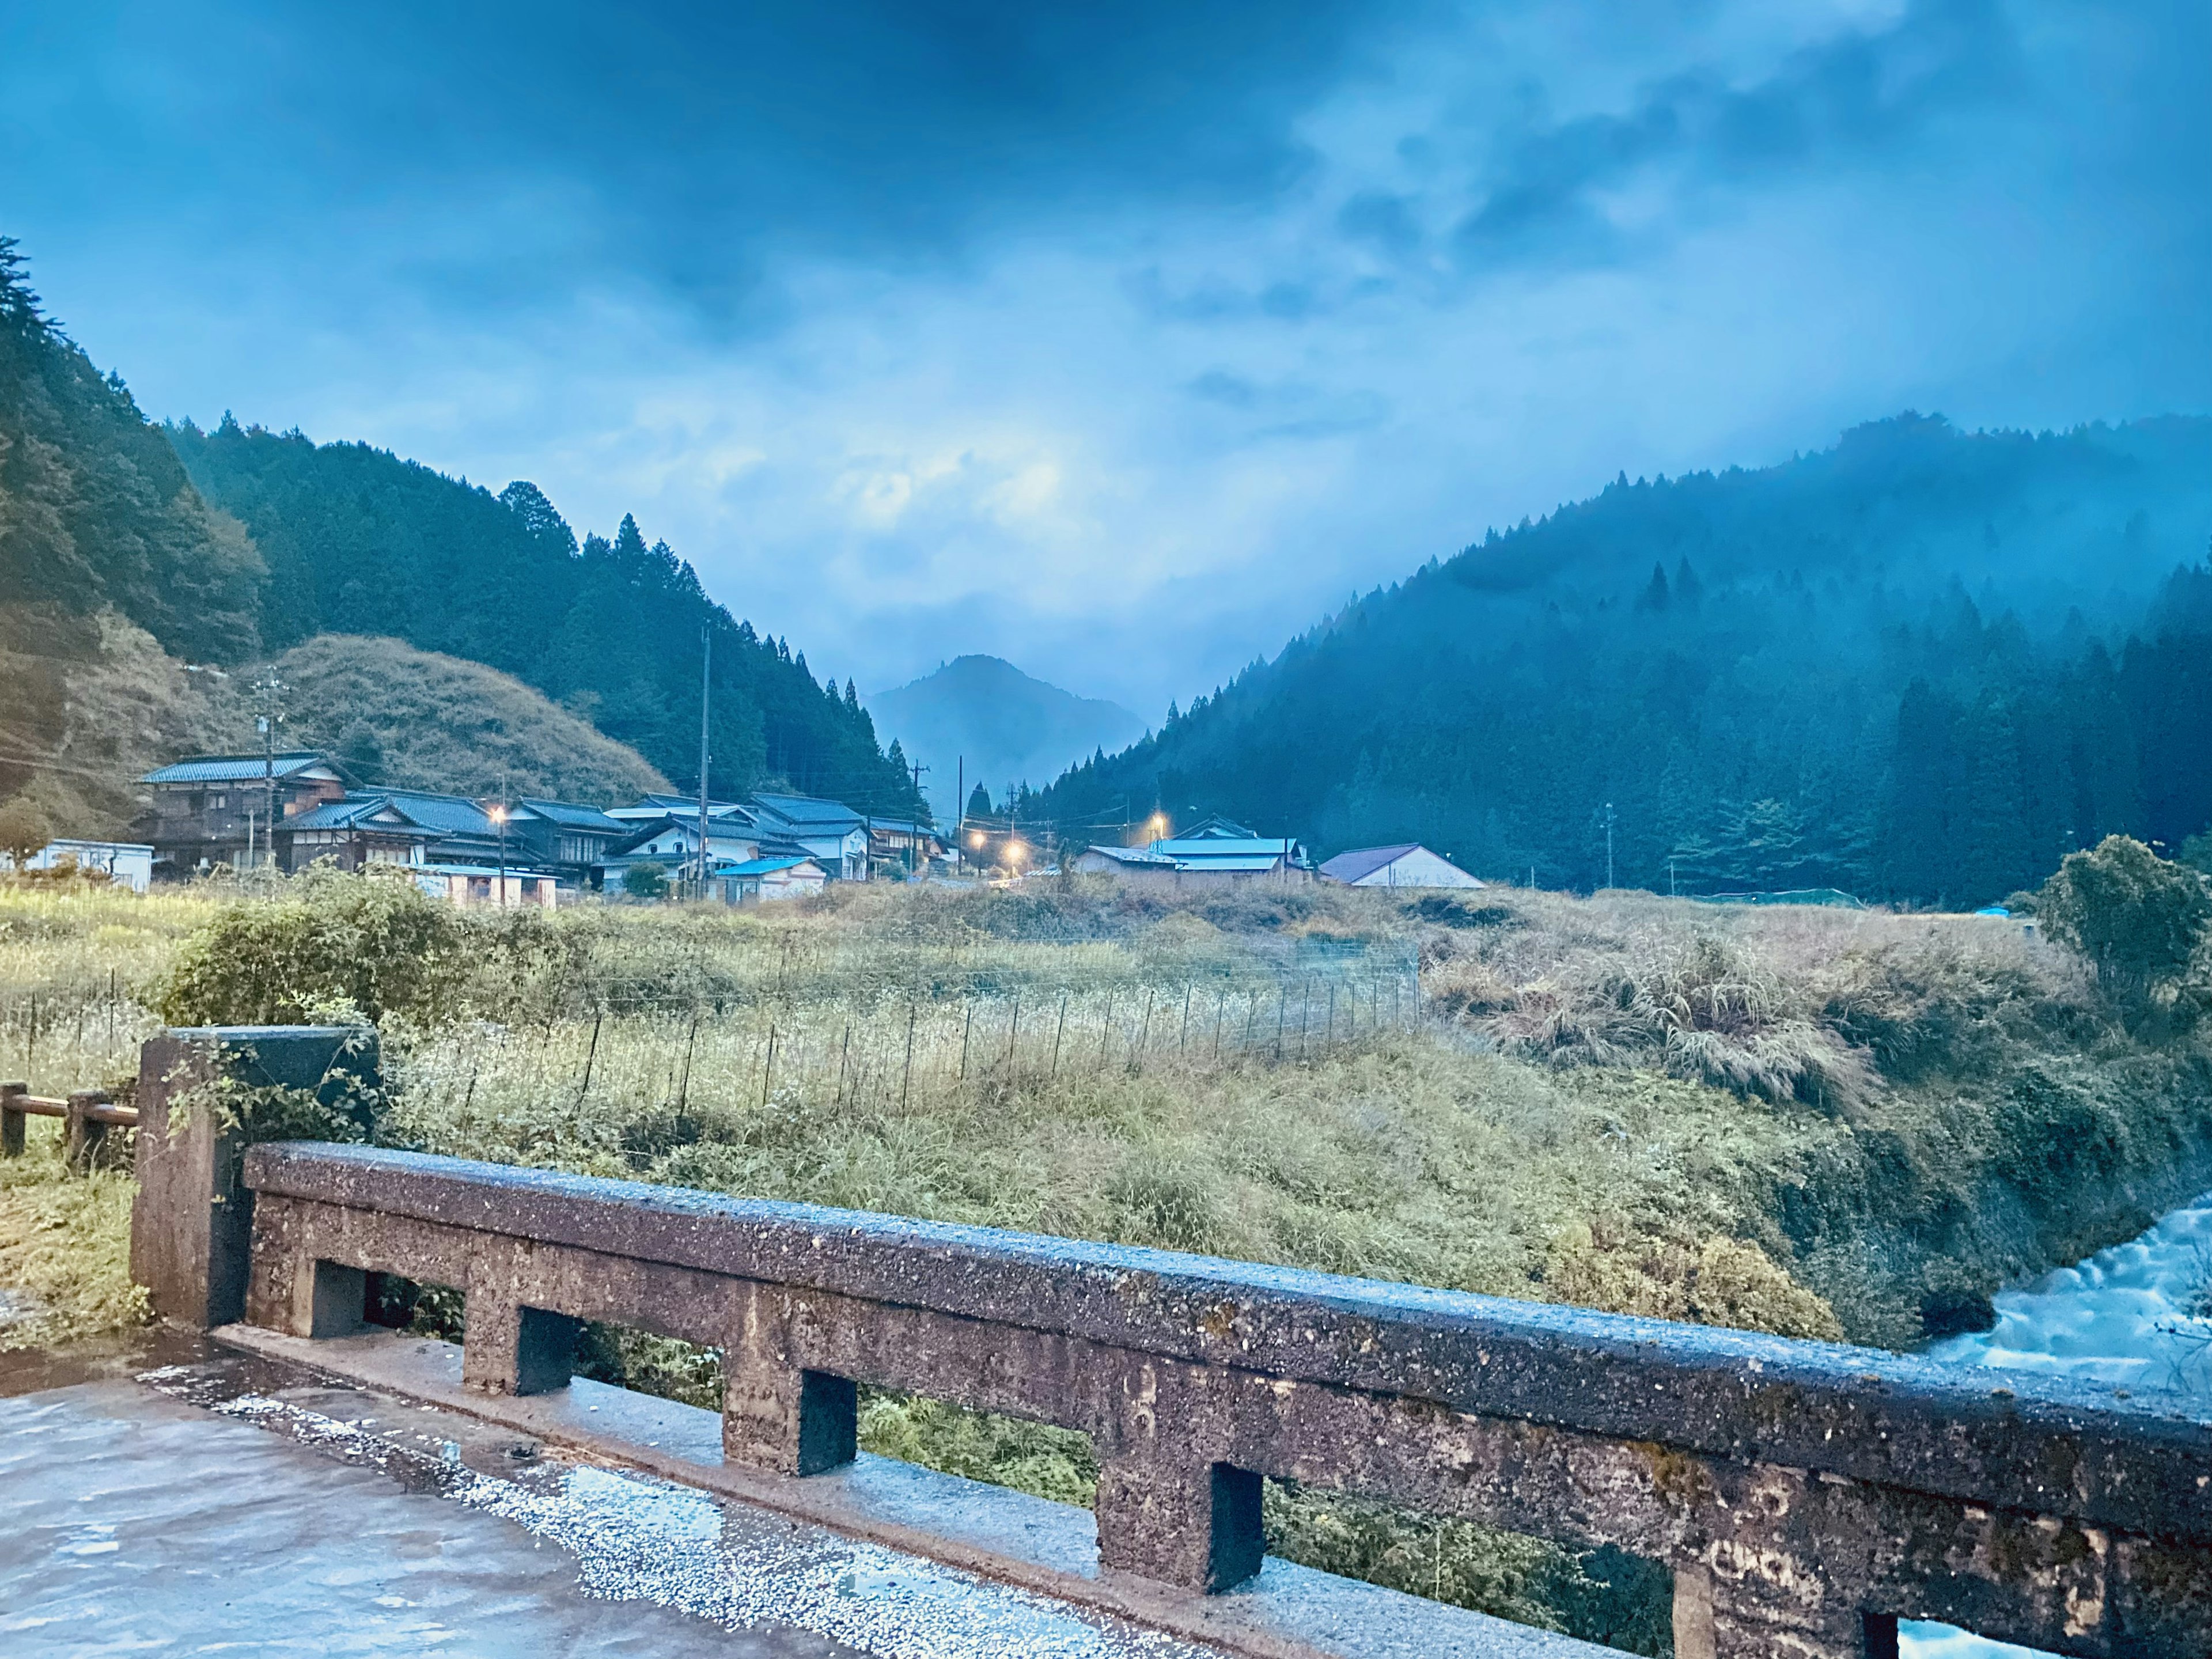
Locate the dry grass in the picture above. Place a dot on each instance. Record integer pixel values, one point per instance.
(1797, 1120)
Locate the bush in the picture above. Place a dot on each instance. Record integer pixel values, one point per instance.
(645, 881)
(336, 946)
(2135, 918)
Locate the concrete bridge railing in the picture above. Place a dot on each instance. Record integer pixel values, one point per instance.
(1805, 1495)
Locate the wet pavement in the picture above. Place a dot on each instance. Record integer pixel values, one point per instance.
(146, 1506)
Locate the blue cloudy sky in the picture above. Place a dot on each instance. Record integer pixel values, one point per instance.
(1121, 341)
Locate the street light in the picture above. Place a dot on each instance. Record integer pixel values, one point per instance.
(499, 817)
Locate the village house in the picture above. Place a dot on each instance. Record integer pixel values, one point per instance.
(128, 863)
(570, 840)
(903, 844)
(351, 833)
(213, 809)
(670, 843)
(1407, 865)
(831, 834)
(478, 884)
(1215, 853)
(766, 878)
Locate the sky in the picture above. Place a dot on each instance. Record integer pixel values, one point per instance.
(1123, 342)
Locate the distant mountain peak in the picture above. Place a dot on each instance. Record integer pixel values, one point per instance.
(982, 718)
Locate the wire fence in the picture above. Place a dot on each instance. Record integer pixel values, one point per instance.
(647, 1043)
(883, 1053)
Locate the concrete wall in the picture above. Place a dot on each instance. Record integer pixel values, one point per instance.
(1805, 1495)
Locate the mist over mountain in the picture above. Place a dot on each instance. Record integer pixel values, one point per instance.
(1007, 726)
(1922, 666)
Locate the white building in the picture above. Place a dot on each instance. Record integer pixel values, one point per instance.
(128, 863)
(1410, 865)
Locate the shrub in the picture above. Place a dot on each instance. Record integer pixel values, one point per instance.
(645, 881)
(23, 830)
(336, 946)
(2136, 918)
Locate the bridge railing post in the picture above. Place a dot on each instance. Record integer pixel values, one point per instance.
(776, 1413)
(191, 1224)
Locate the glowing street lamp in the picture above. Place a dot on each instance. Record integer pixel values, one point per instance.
(1016, 852)
(976, 838)
(499, 817)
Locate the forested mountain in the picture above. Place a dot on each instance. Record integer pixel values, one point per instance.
(357, 541)
(1007, 726)
(95, 509)
(127, 551)
(1921, 666)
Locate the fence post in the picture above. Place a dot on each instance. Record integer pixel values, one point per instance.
(191, 1225)
(83, 1135)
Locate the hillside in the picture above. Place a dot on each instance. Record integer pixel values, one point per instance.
(416, 719)
(1006, 725)
(119, 567)
(1921, 666)
(358, 541)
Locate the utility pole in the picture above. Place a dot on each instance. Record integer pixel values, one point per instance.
(706, 692)
(921, 806)
(1671, 893)
(1608, 843)
(269, 688)
(960, 829)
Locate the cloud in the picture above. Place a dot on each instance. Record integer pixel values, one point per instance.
(1122, 340)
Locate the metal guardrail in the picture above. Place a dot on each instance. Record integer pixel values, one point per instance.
(89, 1113)
(1805, 1495)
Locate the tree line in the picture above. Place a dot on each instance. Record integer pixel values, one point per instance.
(1921, 668)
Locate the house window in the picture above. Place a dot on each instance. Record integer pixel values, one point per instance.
(219, 801)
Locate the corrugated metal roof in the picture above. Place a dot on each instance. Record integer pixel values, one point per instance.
(1349, 868)
(1199, 866)
(1138, 855)
(1211, 848)
(232, 769)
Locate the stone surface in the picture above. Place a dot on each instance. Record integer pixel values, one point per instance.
(192, 1218)
(1016, 1542)
(1807, 1493)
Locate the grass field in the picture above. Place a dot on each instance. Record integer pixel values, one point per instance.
(1814, 1122)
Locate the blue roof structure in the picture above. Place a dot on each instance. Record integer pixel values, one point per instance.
(652, 803)
(569, 816)
(351, 812)
(234, 768)
(1208, 849)
(1143, 857)
(455, 815)
(809, 811)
